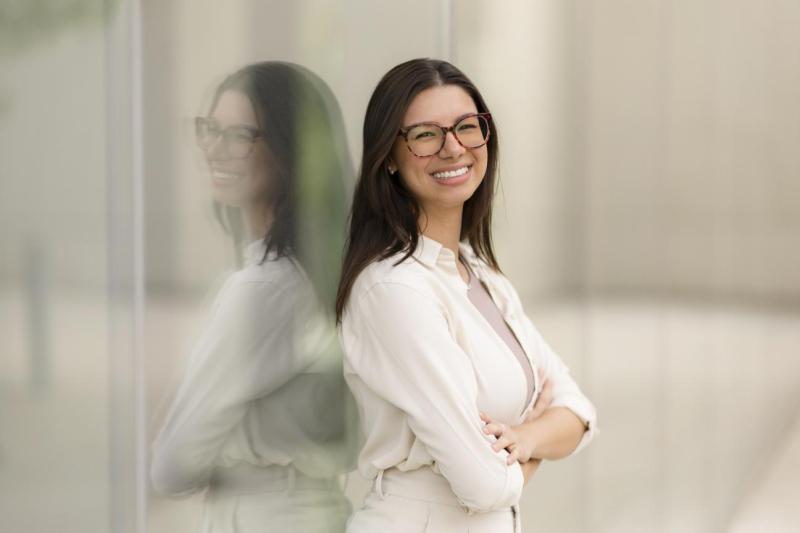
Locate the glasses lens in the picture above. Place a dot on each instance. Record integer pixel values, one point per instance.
(425, 139)
(206, 132)
(473, 131)
(239, 141)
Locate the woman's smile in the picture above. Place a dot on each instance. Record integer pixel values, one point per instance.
(225, 178)
(453, 175)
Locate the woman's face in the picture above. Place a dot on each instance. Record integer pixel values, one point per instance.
(236, 180)
(445, 105)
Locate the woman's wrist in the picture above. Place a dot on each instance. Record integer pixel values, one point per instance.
(553, 435)
(529, 432)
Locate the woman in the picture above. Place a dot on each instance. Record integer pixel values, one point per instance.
(443, 362)
(260, 419)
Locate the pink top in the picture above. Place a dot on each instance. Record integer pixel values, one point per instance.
(481, 298)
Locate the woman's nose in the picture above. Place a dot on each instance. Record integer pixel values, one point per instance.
(218, 150)
(451, 146)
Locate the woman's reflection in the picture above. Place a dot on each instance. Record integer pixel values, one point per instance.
(262, 417)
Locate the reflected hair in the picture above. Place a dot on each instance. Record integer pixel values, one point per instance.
(384, 217)
(308, 164)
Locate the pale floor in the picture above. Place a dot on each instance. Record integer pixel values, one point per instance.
(698, 417)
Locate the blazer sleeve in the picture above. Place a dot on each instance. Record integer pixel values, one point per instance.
(246, 351)
(400, 345)
(566, 392)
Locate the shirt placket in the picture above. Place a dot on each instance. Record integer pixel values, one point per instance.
(514, 325)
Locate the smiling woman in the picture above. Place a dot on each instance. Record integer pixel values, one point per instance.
(459, 152)
(461, 396)
(260, 421)
(239, 170)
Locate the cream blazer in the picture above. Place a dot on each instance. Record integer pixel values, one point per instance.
(422, 362)
(263, 385)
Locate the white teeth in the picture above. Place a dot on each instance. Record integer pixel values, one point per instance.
(450, 173)
(224, 176)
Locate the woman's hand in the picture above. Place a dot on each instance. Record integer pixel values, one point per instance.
(517, 439)
(513, 438)
(544, 400)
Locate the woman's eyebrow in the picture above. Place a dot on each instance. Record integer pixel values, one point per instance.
(245, 125)
(460, 117)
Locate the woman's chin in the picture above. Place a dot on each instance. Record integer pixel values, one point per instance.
(228, 198)
(454, 196)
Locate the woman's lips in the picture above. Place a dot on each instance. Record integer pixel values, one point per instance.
(225, 178)
(453, 177)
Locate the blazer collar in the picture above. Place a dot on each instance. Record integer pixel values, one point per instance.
(465, 249)
(428, 251)
(253, 252)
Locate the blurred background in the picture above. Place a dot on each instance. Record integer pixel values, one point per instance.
(648, 214)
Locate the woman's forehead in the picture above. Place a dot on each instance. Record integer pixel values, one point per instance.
(443, 104)
(234, 107)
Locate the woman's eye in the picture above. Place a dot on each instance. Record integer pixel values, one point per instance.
(467, 127)
(424, 134)
(240, 136)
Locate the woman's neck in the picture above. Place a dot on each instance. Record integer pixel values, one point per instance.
(257, 221)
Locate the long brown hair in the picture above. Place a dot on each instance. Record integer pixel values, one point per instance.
(303, 128)
(384, 215)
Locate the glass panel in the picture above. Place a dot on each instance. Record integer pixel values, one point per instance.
(647, 215)
(56, 311)
(312, 67)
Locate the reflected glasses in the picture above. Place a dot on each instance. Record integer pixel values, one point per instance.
(427, 139)
(238, 139)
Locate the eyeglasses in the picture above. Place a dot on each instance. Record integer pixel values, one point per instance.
(239, 139)
(427, 139)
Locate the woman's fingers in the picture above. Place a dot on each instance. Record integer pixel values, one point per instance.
(493, 428)
(547, 389)
(542, 403)
(544, 400)
(504, 440)
(512, 453)
(501, 443)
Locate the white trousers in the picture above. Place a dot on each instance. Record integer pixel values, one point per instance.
(422, 501)
(274, 499)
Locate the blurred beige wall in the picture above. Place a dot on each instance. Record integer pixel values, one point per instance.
(648, 146)
(691, 160)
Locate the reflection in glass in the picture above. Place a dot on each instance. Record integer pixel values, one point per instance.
(261, 420)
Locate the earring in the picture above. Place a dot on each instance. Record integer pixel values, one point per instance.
(392, 169)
